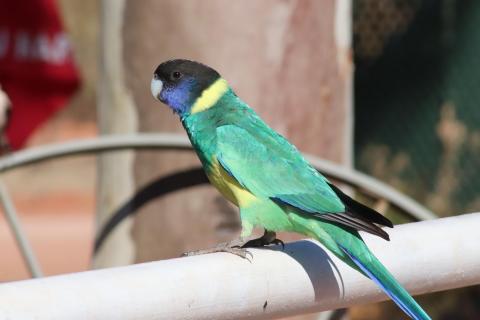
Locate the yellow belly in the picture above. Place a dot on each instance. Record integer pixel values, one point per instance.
(229, 187)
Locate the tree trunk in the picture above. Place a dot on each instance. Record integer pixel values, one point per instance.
(289, 60)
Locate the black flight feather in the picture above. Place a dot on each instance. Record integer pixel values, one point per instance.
(357, 216)
(356, 208)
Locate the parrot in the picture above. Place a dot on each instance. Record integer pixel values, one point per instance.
(262, 173)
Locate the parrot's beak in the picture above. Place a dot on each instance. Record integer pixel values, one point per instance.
(156, 87)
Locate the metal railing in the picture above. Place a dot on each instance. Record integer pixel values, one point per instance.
(301, 278)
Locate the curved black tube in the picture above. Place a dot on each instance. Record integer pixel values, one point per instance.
(160, 187)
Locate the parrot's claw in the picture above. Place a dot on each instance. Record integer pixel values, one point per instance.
(239, 247)
(223, 247)
(268, 238)
(241, 252)
(279, 242)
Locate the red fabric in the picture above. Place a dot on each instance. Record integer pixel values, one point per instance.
(36, 65)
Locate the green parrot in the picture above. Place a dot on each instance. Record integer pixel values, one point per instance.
(258, 170)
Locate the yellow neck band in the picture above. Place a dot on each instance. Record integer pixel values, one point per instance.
(210, 96)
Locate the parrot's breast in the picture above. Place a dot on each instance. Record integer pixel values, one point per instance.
(228, 186)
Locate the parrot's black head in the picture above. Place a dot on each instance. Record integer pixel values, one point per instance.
(179, 83)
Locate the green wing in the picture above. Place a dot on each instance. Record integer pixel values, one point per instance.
(267, 165)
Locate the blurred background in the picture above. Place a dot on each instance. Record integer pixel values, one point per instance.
(387, 87)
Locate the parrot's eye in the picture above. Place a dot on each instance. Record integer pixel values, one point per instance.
(176, 75)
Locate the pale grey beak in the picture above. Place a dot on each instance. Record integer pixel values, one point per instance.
(156, 87)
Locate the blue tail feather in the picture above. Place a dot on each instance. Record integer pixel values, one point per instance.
(380, 275)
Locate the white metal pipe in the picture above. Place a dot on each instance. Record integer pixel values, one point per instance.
(117, 114)
(102, 143)
(425, 256)
(180, 142)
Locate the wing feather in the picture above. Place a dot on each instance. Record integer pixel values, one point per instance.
(267, 165)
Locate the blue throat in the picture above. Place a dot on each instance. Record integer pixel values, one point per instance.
(179, 98)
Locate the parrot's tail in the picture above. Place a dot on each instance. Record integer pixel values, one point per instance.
(348, 245)
(374, 269)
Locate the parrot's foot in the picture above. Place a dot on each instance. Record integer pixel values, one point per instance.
(269, 237)
(223, 247)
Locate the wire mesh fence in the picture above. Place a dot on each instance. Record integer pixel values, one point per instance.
(416, 98)
(417, 111)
